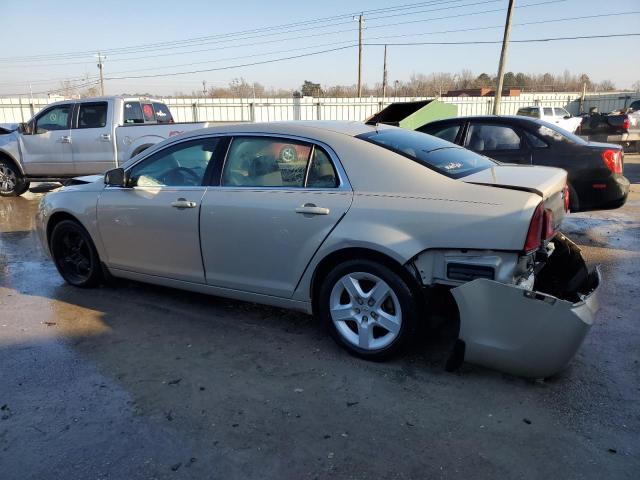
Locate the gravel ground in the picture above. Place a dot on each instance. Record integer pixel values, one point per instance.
(135, 381)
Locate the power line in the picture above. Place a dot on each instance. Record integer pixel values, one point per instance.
(335, 32)
(147, 47)
(475, 42)
(383, 37)
(529, 40)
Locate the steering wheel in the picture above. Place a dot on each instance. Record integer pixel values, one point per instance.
(184, 171)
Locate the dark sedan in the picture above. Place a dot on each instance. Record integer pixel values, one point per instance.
(595, 170)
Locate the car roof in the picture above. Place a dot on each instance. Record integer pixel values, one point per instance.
(301, 128)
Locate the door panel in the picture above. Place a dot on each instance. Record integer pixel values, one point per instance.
(152, 226)
(92, 139)
(48, 150)
(142, 232)
(254, 240)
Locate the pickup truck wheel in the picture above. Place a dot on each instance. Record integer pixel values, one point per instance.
(12, 183)
(75, 255)
(368, 308)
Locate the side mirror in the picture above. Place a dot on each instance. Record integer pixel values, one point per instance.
(567, 117)
(24, 128)
(115, 178)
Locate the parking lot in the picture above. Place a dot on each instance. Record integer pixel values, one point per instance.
(136, 381)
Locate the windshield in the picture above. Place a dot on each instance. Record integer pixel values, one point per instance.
(439, 155)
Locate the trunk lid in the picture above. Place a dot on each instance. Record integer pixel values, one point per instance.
(547, 182)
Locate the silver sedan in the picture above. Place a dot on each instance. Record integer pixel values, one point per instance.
(349, 222)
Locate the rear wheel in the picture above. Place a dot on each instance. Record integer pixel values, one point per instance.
(75, 255)
(368, 308)
(12, 182)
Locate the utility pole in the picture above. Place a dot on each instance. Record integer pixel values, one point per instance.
(360, 55)
(384, 74)
(503, 58)
(204, 88)
(100, 66)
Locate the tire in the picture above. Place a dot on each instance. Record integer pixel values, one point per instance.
(12, 182)
(75, 255)
(373, 328)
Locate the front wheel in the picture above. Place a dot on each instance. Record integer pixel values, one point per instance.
(369, 309)
(75, 255)
(12, 182)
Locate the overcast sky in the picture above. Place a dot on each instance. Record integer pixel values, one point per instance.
(49, 29)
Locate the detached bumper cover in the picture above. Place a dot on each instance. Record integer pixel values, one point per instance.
(521, 332)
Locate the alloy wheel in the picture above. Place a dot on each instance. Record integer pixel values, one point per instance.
(365, 311)
(74, 256)
(8, 179)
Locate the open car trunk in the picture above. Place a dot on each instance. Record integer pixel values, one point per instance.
(529, 333)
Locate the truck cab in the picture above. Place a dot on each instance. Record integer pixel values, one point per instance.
(82, 137)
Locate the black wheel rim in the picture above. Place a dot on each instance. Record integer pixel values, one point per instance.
(74, 256)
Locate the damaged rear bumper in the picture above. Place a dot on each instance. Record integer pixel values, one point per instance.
(528, 333)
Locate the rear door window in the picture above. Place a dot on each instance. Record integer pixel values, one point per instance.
(266, 162)
(92, 115)
(482, 138)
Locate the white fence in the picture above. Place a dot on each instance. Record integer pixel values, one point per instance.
(20, 109)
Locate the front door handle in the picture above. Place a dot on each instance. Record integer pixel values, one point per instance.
(311, 209)
(105, 137)
(183, 203)
(65, 139)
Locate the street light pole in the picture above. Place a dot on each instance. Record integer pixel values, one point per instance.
(503, 58)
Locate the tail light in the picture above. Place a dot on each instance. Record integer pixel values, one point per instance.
(547, 225)
(540, 228)
(626, 123)
(613, 160)
(565, 195)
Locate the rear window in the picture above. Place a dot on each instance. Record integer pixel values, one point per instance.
(163, 115)
(436, 154)
(133, 113)
(147, 112)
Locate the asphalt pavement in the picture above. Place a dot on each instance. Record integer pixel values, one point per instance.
(131, 381)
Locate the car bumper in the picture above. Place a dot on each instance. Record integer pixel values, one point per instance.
(609, 193)
(522, 332)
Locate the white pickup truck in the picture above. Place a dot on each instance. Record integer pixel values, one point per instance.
(557, 115)
(82, 137)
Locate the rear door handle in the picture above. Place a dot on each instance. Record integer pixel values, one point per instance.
(183, 203)
(65, 139)
(105, 137)
(311, 209)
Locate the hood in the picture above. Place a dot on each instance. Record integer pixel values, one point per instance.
(545, 181)
(8, 127)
